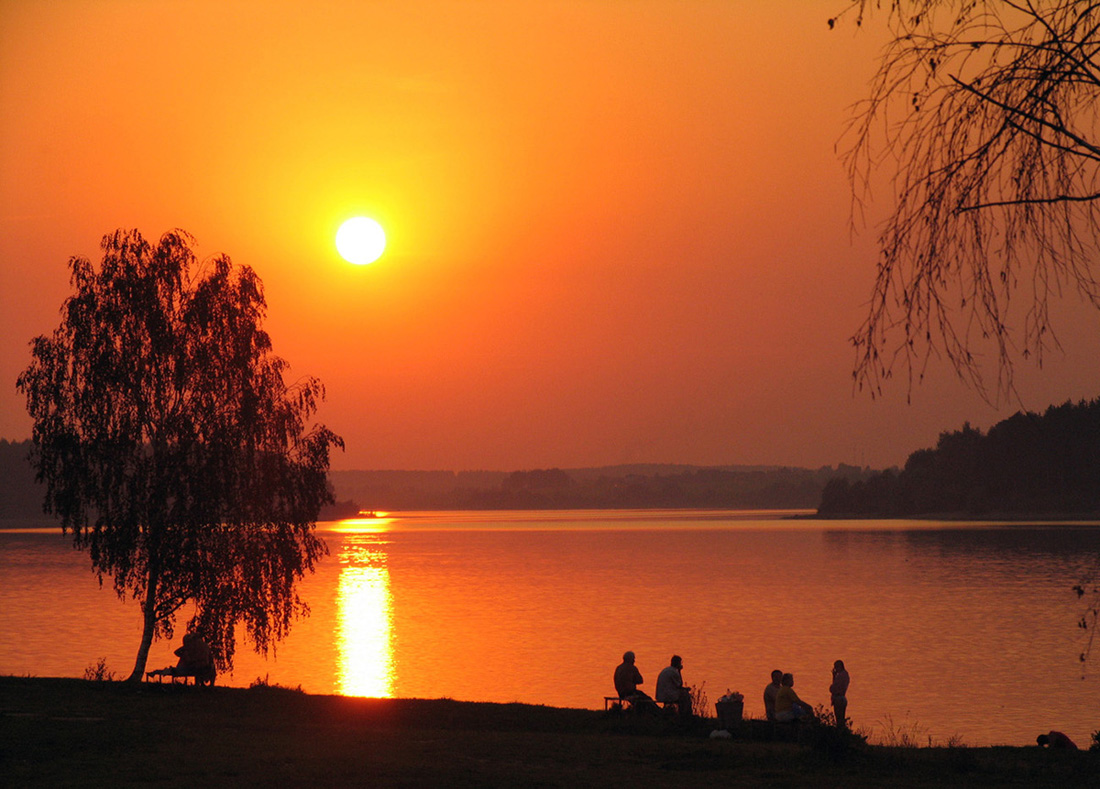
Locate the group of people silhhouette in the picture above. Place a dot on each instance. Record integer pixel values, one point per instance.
(671, 690)
(781, 703)
(195, 660)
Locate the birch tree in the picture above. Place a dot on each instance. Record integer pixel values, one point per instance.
(171, 447)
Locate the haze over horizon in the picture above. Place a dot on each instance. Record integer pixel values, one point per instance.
(617, 232)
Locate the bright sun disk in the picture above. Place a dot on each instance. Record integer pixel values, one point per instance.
(360, 240)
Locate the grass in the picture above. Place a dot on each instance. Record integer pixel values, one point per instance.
(69, 732)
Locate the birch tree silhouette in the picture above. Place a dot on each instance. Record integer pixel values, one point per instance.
(172, 449)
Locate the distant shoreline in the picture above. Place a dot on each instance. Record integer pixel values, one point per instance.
(964, 517)
(31, 525)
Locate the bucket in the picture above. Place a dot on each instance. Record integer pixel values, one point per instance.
(729, 713)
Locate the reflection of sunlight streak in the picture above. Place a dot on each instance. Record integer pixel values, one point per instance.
(365, 661)
(377, 522)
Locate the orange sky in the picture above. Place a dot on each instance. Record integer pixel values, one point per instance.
(618, 231)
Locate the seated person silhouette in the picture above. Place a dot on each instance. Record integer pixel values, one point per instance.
(1056, 741)
(195, 660)
(788, 706)
(770, 692)
(671, 689)
(627, 680)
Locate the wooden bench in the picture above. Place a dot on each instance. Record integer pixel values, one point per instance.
(635, 704)
(199, 676)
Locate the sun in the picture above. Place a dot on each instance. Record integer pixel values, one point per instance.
(360, 240)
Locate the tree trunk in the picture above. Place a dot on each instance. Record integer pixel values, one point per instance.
(149, 609)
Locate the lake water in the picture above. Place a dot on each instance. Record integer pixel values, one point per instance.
(948, 630)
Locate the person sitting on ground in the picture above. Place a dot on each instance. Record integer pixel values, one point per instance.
(788, 706)
(195, 660)
(770, 690)
(1056, 741)
(670, 687)
(628, 678)
(838, 691)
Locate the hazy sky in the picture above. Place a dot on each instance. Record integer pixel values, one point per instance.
(618, 231)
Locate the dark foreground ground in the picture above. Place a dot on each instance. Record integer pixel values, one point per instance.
(60, 732)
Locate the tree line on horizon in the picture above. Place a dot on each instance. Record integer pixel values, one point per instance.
(20, 495)
(1029, 463)
(615, 487)
(627, 487)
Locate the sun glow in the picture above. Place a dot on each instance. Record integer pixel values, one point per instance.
(360, 240)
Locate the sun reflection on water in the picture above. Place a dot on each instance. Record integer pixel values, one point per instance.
(364, 663)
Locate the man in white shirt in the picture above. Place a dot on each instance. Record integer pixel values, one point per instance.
(670, 687)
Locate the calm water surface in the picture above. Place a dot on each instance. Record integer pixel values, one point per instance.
(947, 629)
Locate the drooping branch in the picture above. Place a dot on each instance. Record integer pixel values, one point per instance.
(986, 114)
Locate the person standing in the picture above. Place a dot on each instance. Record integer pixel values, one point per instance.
(670, 687)
(839, 692)
(770, 691)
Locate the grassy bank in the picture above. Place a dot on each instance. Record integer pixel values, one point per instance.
(76, 732)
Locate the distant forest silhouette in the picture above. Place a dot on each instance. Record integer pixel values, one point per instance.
(1027, 464)
(20, 496)
(609, 487)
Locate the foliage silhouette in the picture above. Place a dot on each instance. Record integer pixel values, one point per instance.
(986, 115)
(171, 447)
(1027, 464)
(615, 487)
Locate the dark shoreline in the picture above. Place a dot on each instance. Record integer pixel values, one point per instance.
(965, 517)
(85, 733)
